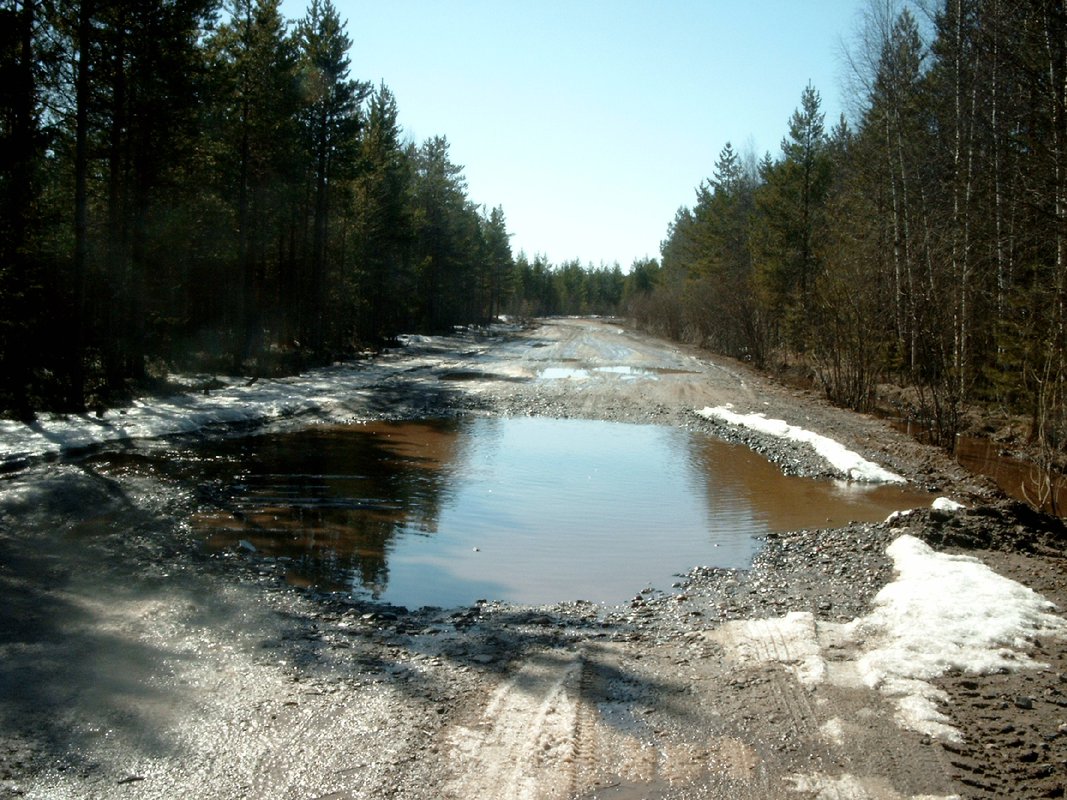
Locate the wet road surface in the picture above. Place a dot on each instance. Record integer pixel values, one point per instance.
(136, 662)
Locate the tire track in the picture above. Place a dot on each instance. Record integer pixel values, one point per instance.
(524, 744)
(832, 721)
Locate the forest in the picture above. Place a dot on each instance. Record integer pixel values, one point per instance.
(192, 185)
(195, 185)
(923, 246)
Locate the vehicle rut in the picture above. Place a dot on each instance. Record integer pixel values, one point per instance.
(524, 741)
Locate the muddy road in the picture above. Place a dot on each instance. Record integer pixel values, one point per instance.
(137, 663)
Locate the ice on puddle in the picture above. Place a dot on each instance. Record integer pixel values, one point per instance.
(850, 464)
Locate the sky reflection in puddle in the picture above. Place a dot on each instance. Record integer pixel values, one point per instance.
(526, 510)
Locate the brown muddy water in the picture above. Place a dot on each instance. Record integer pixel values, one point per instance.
(525, 510)
(1017, 478)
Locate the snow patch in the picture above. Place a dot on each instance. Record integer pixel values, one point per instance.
(945, 612)
(942, 612)
(564, 373)
(939, 504)
(327, 393)
(788, 640)
(409, 339)
(946, 504)
(851, 464)
(833, 730)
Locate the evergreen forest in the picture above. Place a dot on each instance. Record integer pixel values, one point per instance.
(922, 247)
(195, 184)
(198, 184)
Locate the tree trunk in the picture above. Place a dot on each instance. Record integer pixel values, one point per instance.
(19, 209)
(117, 255)
(76, 396)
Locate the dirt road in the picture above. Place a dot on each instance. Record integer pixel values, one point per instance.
(133, 664)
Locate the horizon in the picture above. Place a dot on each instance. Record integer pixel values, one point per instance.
(538, 104)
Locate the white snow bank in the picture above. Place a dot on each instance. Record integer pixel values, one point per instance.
(947, 611)
(942, 612)
(849, 463)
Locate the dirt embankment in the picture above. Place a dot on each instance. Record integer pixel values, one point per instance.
(132, 664)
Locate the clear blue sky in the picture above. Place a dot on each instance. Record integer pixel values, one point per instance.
(592, 121)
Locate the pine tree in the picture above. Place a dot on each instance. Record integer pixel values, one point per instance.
(152, 80)
(725, 238)
(384, 223)
(256, 127)
(500, 263)
(21, 141)
(331, 127)
(442, 227)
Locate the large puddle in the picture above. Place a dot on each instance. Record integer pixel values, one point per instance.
(526, 510)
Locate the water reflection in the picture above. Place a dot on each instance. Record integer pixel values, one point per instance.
(332, 499)
(753, 491)
(527, 510)
(569, 509)
(1019, 479)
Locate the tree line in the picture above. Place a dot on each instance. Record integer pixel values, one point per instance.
(925, 245)
(186, 185)
(567, 289)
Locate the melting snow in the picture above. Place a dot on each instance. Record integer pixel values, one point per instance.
(945, 612)
(942, 612)
(323, 391)
(946, 504)
(789, 640)
(847, 462)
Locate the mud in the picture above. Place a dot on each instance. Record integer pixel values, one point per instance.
(134, 662)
